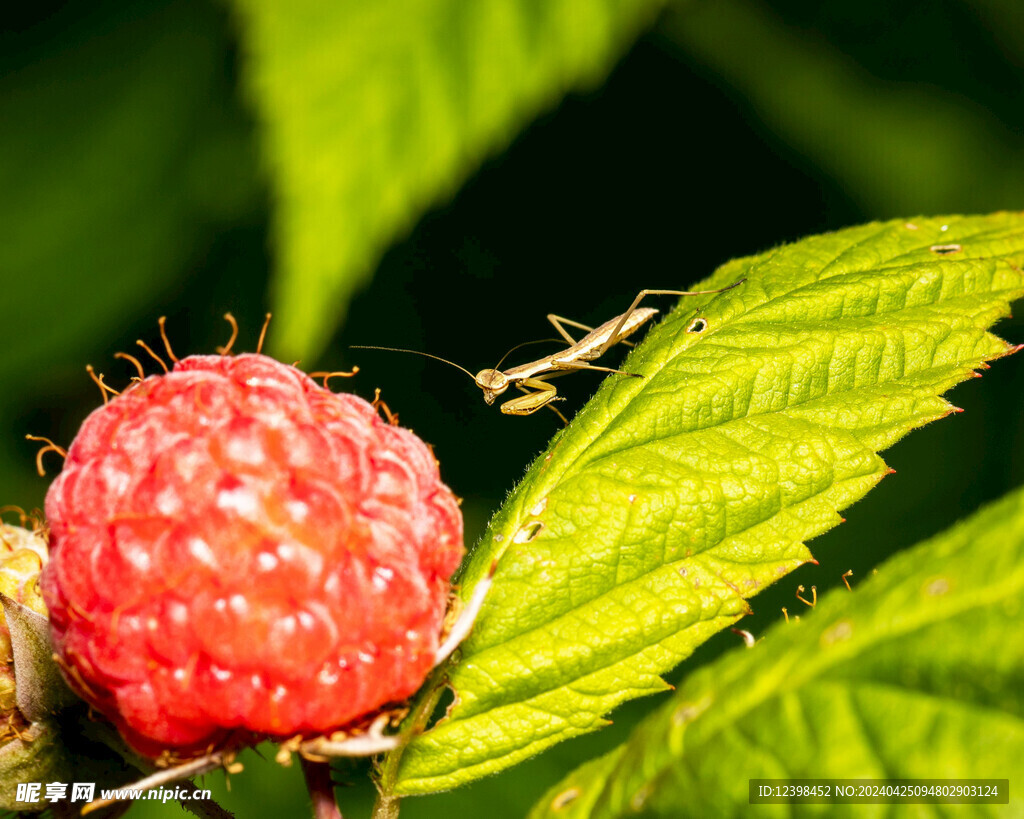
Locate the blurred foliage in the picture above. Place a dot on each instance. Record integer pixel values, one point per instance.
(131, 188)
(373, 111)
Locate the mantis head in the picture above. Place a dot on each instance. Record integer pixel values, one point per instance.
(493, 382)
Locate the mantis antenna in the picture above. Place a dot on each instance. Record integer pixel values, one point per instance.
(526, 344)
(414, 352)
(446, 361)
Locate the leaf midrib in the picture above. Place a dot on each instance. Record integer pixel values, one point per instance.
(831, 396)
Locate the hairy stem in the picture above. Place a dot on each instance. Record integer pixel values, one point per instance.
(386, 807)
(388, 804)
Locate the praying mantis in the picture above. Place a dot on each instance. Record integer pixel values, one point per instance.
(532, 378)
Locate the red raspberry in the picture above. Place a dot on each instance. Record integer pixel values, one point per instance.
(234, 547)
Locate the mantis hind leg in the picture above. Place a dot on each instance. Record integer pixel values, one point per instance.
(557, 322)
(613, 337)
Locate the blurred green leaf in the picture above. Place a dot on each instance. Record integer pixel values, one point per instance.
(671, 499)
(895, 147)
(118, 157)
(374, 111)
(916, 674)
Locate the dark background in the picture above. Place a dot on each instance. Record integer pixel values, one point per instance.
(131, 187)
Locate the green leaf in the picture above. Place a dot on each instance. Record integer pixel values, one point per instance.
(918, 673)
(374, 111)
(671, 499)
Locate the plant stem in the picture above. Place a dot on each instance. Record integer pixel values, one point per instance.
(386, 807)
(387, 804)
(321, 789)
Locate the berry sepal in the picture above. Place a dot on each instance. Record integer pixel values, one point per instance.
(40, 690)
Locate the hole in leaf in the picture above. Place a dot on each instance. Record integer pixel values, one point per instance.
(446, 701)
(565, 798)
(528, 531)
(640, 798)
(840, 632)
